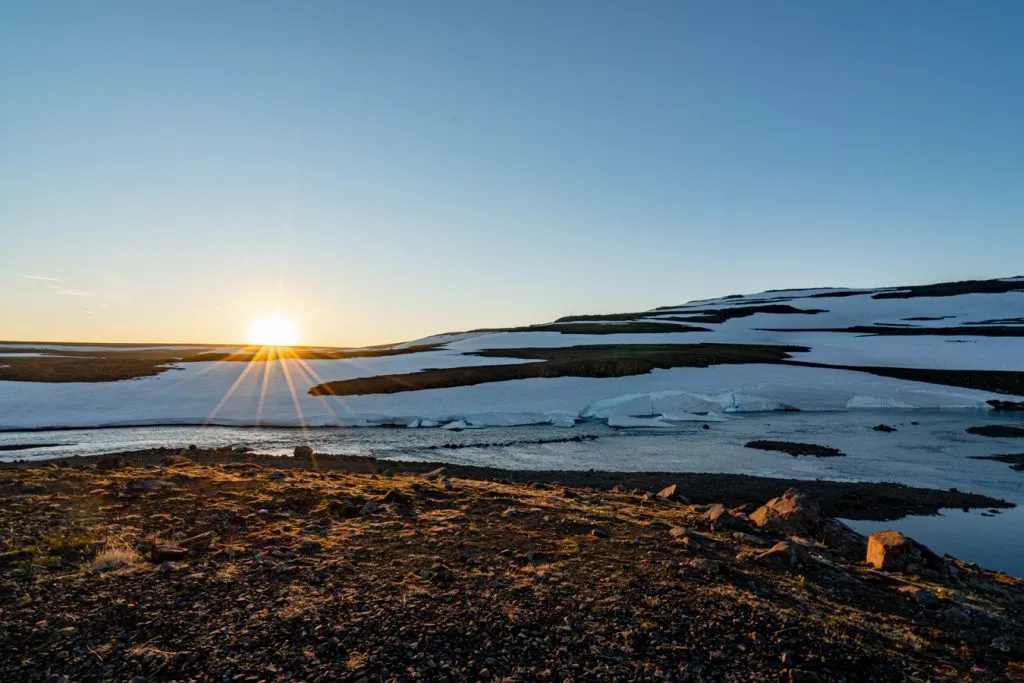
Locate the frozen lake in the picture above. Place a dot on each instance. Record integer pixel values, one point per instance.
(935, 453)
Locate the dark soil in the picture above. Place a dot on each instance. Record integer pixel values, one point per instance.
(996, 381)
(796, 449)
(617, 360)
(1014, 460)
(456, 579)
(997, 431)
(720, 315)
(954, 289)
(114, 365)
(638, 327)
(912, 331)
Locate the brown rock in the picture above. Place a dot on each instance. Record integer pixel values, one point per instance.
(889, 550)
(783, 554)
(790, 513)
(163, 553)
(198, 541)
(395, 497)
(303, 452)
(671, 492)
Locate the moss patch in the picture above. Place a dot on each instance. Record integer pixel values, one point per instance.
(618, 360)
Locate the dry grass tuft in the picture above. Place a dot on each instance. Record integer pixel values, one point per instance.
(116, 555)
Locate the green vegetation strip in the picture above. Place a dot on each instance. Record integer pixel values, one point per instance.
(614, 360)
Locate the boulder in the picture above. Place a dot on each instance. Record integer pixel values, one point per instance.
(890, 550)
(784, 554)
(884, 428)
(671, 492)
(722, 518)
(303, 452)
(790, 513)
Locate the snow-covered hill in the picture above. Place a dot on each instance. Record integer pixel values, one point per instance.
(956, 345)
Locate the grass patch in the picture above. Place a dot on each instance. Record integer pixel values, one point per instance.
(116, 555)
(116, 365)
(613, 360)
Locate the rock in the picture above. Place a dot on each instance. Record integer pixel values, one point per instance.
(303, 452)
(998, 431)
(671, 492)
(179, 459)
(439, 473)
(790, 513)
(784, 554)
(164, 553)
(679, 532)
(998, 405)
(802, 676)
(958, 615)
(889, 550)
(722, 518)
(393, 497)
(198, 541)
(368, 509)
(143, 485)
(883, 428)
(343, 509)
(921, 596)
(277, 475)
(310, 547)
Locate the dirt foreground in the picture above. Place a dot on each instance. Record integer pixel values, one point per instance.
(241, 571)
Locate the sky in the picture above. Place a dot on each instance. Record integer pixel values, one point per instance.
(381, 171)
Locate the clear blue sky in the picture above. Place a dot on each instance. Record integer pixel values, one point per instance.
(385, 170)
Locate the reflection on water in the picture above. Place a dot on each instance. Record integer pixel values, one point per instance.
(933, 453)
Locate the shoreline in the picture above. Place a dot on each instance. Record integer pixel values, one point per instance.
(876, 501)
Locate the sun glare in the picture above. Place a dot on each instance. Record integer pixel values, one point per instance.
(272, 330)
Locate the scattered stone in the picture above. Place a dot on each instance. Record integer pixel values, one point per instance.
(163, 553)
(679, 532)
(277, 475)
(432, 475)
(883, 428)
(889, 550)
(179, 459)
(144, 485)
(958, 615)
(198, 541)
(922, 596)
(784, 554)
(671, 492)
(393, 497)
(370, 508)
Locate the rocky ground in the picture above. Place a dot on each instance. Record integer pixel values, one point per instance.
(228, 568)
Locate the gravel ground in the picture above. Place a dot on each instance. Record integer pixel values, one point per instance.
(242, 572)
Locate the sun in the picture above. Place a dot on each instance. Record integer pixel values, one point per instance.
(272, 330)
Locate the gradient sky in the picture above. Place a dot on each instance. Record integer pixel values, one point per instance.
(382, 170)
